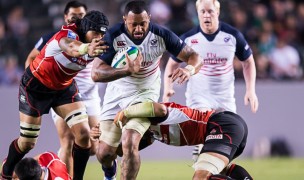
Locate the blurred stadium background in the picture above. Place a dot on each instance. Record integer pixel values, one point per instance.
(274, 131)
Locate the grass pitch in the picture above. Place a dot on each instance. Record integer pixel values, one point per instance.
(262, 169)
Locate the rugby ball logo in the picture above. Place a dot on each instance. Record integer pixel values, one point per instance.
(119, 59)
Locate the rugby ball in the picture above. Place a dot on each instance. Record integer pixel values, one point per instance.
(119, 59)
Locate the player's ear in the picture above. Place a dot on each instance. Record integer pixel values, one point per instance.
(124, 19)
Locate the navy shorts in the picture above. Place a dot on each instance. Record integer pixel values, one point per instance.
(35, 99)
(226, 134)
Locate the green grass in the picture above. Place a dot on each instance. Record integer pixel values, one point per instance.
(264, 169)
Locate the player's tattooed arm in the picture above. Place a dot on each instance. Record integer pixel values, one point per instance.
(186, 53)
(194, 64)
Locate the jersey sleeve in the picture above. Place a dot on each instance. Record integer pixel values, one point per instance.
(243, 50)
(183, 38)
(108, 56)
(43, 40)
(173, 43)
(67, 31)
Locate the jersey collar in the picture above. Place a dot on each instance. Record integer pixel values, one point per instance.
(211, 37)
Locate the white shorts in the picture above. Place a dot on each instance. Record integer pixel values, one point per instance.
(116, 99)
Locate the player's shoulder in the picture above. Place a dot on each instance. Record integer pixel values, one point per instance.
(227, 28)
(116, 30)
(191, 32)
(159, 30)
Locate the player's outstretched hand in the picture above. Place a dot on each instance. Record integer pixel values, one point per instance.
(95, 133)
(181, 74)
(97, 47)
(120, 119)
(133, 66)
(251, 97)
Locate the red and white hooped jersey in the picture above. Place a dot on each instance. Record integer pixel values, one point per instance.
(55, 169)
(53, 67)
(183, 127)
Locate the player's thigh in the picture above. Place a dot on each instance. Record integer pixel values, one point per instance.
(110, 133)
(226, 134)
(66, 109)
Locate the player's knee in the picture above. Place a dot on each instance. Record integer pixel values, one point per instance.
(105, 158)
(130, 141)
(201, 175)
(83, 137)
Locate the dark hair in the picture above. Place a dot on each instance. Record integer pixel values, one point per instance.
(74, 4)
(28, 169)
(136, 7)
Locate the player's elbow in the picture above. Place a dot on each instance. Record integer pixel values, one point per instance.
(96, 76)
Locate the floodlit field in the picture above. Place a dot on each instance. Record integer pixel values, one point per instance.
(266, 169)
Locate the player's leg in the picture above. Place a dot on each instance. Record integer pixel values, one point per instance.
(77, 119)
(225, 140)
(106, 149)
(31, 108)
(236, 171)
(93, 121)
(94, 111)
(131, 135)
(66, 139)
(209, 163)
(29, 131)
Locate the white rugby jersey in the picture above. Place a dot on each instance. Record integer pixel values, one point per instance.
(213, 86)
(152, 47)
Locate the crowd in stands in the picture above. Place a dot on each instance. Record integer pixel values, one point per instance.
(273, 28)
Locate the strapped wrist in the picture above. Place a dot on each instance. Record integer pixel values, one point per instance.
(83, 48)
(191, 69)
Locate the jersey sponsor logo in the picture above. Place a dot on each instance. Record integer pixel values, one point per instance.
(216, 136)
(226, 39)
(213, 131)
(153, 42)
(121, 43)
(213, 59)
(194, 41)
(22, 98)
(71, 34)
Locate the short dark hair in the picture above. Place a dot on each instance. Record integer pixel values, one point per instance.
(136, 7)
(74, 4)
(28, 169)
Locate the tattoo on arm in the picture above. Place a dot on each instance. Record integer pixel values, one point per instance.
(186, 53)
